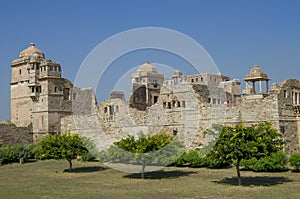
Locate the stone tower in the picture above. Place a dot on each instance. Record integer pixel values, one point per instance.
(39, 95)
(146, 85)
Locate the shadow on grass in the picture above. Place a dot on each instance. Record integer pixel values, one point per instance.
(255, 181)
(160, 174)
(85, 169)
(296, 171)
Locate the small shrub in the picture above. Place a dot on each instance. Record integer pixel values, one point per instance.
(115, 155)
(295, 161)
(213, 162)
(192, 159)
(87, 157)
(248, 164)
(274, 162)
(181, 161)
(21, 152)
(6, 155)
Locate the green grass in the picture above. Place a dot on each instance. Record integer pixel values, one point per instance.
(46, 179)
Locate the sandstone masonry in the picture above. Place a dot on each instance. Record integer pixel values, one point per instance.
(183, 105)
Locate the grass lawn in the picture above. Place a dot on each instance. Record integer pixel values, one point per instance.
(46, 179)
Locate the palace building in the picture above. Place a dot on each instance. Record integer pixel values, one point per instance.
(45, 102)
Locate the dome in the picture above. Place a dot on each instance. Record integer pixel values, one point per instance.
(177, 73)
(256, 72)
(32, 51)
(147, 67)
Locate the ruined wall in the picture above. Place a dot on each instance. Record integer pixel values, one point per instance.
(11, 134)
(139, 97)
(188, 110)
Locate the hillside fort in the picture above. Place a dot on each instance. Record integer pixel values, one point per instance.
(44, 102)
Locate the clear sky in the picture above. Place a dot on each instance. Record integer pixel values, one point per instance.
(236, 33)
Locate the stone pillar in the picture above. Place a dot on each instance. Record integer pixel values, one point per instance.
(294, 97)
(267, 86)
(298, 95)
(260, 87)
(253, 83)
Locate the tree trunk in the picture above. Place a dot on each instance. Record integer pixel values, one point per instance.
(70, 165)
(238, 172)
(143, 170)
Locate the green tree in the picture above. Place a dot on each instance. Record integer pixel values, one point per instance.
(148, 148)
(65, 146)
(240, 142)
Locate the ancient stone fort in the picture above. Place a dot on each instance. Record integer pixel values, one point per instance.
(44, 102)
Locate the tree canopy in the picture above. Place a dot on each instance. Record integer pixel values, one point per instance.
(65, 146)
(241, 142)
(147, 148)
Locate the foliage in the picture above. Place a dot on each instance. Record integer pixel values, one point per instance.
(15, 153)
(240, 142)
(295, 161)
(274, 162)
(6, 155)
(194, 158)
(181, 161)
(213, 162)
(157, 149)
(247, 164)
(21, 152)
(115, 155)
(62, 146)
(87, 156)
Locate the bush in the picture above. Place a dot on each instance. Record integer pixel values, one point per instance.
(6, 155)
(21, 152)
(192, 158)
(248, 164)
(181, 161)
(213, 162)
(87, 157)
(16, 153)
(274, 162)
(295, 161)
(115, 155)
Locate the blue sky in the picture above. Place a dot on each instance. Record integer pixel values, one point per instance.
(237, 34)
